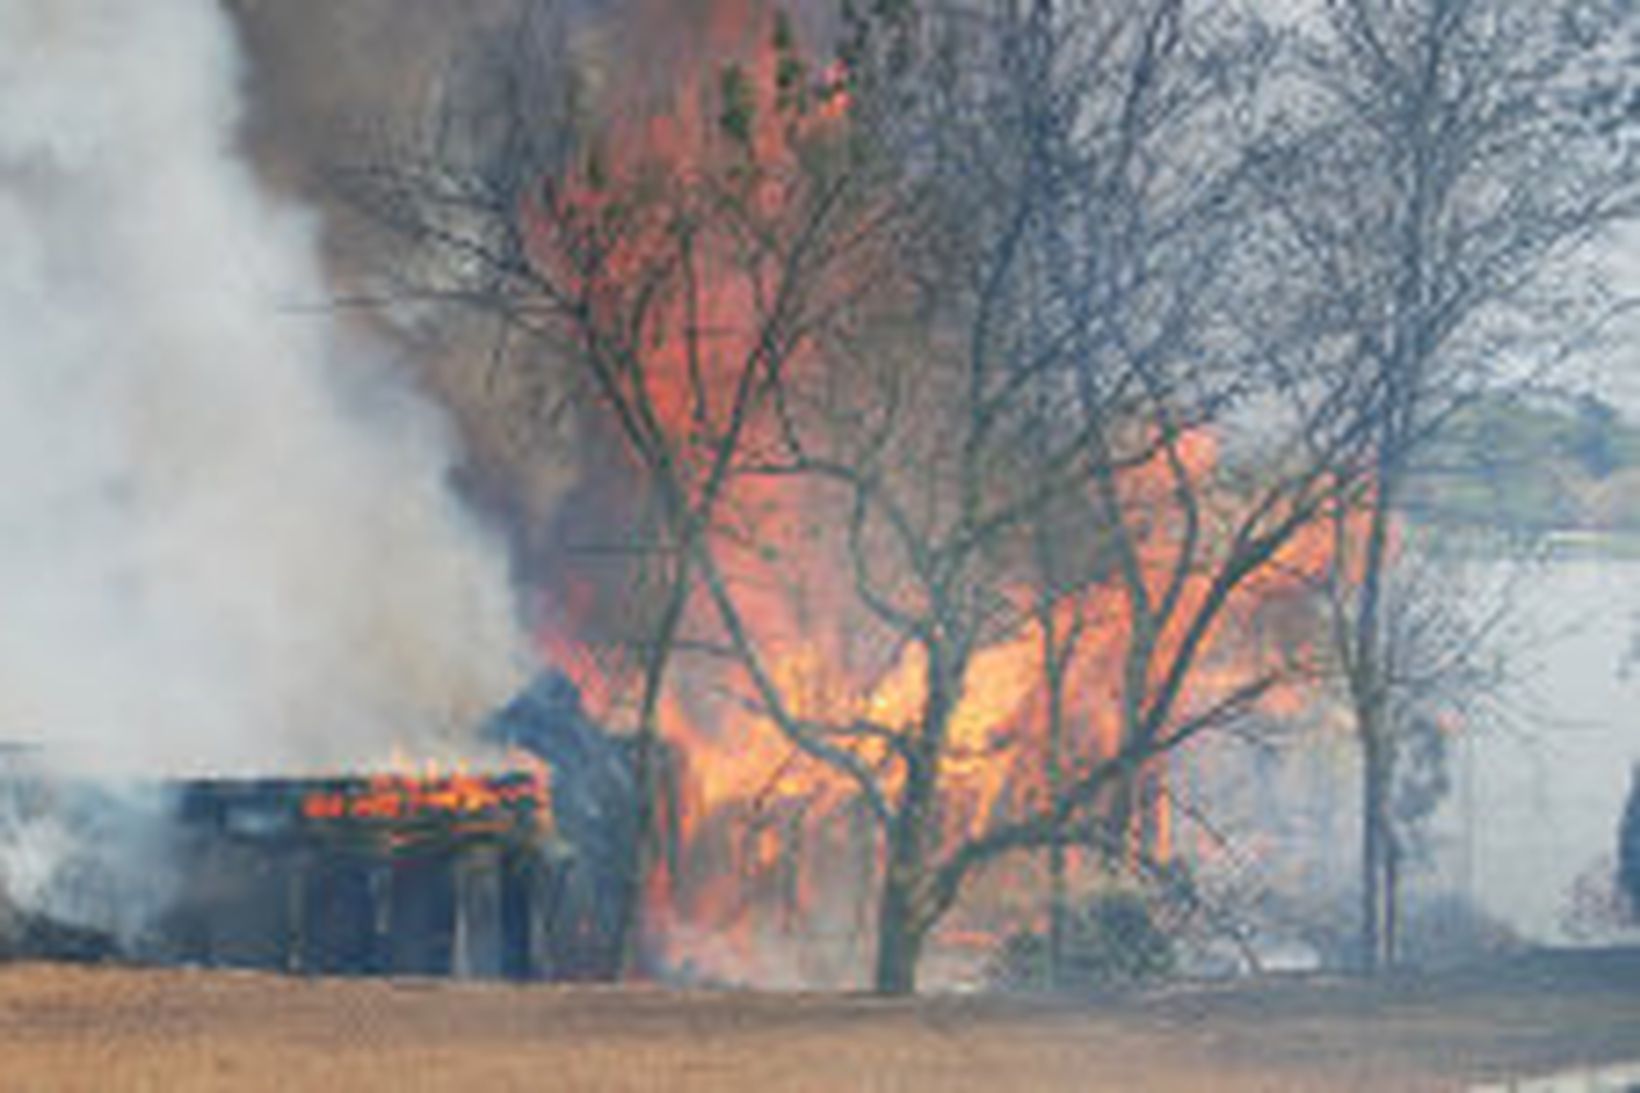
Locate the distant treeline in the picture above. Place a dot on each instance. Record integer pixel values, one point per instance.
(1532, 464)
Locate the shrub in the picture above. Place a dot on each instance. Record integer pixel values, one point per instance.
(1112, 940)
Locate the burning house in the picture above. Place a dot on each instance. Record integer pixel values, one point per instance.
(246, 537)
(520, 869)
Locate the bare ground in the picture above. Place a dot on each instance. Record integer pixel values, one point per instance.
(103, 1028)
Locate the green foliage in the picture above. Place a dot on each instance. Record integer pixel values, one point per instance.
(791, 73)
(785, 41)
(1531, 466)
(736, 106)
(1113, 940)
(1595, 439)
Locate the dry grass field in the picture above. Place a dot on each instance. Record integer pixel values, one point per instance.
(89, 1028)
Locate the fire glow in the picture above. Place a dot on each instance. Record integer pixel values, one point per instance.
(756, 817)
(456, 796)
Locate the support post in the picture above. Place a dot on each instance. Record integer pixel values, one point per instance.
(477, 913)
(296, 901)
(381, 917)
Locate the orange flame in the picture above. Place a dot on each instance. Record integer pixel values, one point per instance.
(454, 796)
(760, 821)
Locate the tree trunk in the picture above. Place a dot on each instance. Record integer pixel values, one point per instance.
(1053, 663)
(1368, 692)
(1392, 897)
(899, 937)
(629, 935)
(1372, 849)
(902, 924)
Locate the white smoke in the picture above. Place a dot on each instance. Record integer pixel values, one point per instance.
(226, 541)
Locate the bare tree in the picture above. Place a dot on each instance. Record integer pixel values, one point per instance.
(659, 294)
(991, 323)
(1445, 166)
(1456, 636)
(1081, 227)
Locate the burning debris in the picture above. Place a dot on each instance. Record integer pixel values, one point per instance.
(521, 870)
(434, 874)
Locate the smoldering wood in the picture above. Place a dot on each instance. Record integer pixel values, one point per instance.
(355, 875)
(265, 885)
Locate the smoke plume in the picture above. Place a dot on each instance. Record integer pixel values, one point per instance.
(226, 538)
